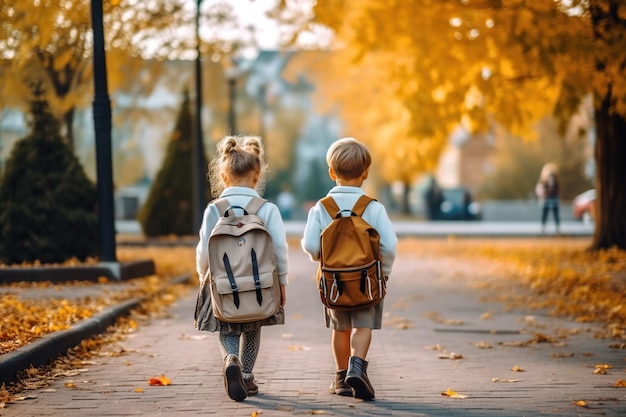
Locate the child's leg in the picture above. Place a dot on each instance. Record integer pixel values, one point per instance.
(356, 377)
(233, 379)
(229, 344)
(341, 351)
(250, 344)
(341, 348)
(360, 343)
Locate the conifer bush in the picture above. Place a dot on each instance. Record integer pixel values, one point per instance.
(47, 203)
(168, 210)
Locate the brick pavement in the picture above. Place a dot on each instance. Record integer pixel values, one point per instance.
(295, 364)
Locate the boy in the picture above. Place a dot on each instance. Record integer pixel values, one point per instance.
(348, 165)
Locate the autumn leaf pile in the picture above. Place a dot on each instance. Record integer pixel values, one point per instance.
(585, 286)
(558, 274)
(22, 319)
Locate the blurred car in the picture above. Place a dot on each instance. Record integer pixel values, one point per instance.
(457, 204)
(583, 206)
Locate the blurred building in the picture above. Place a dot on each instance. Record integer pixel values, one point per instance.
(467, 160)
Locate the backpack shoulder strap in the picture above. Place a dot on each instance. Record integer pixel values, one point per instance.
(222, 205)
(361, 204)
(330, 205)
(255, 204)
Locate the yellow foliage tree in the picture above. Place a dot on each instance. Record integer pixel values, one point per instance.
(51, 42)
(441, 63)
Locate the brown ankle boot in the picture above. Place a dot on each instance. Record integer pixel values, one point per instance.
(339, 386)
(357, 379)
(251, 387)
(233, 378)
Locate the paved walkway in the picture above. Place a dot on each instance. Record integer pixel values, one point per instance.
(426, 299)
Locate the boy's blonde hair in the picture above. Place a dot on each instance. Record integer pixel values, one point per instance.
(348, 158)
(236, 156)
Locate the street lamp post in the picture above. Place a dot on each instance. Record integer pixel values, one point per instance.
(231, 76)
(102, 127)
(198, 151)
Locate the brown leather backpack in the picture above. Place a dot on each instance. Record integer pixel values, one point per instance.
(350, 272)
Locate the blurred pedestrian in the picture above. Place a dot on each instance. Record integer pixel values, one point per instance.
(236, 172)
(547, 190)
(434, 198)
(286, 203)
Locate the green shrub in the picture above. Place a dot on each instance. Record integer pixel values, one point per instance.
(168, 210)
(47, 203)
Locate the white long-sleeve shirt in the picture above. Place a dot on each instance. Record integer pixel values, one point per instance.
(269, 213)
(375, 214)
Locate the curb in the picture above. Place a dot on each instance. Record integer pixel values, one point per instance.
(47, 348)
(113, 271)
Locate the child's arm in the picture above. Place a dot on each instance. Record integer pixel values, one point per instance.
(312, 230)
(276, 229)
(209, 219)
(388, 240)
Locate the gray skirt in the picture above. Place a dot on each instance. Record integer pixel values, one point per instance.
(205, 320)
(370, 318)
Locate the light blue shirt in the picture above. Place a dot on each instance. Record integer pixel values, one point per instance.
(375, 214)
(241, 196)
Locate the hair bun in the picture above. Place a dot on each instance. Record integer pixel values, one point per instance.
(253, 145)
(230, 145)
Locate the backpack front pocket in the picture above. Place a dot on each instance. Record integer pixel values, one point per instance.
(352, 288)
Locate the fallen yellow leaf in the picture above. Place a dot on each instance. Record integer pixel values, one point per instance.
(517, 368)
(159, 381)
(453, 394)
(70, 385)
(297, 348)
(139, 389)
(580, 403)
(450, 355)
(505, 380)
(620, 384)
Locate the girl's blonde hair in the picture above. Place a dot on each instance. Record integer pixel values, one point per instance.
(348, 158)
(236, 156)
(548, 169)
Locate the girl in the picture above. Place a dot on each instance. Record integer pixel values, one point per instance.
(548, 191)
(235, 173)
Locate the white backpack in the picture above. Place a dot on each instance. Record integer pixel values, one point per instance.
(242, 265)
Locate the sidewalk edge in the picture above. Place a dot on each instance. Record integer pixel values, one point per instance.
(47, 348)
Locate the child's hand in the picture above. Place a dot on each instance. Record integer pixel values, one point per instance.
(283, 296)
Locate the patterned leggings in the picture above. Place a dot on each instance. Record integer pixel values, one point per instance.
(245, 346)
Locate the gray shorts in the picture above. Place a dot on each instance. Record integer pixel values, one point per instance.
(369, 318)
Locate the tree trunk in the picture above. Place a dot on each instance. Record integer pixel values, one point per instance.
(610, 146)
(610, 153)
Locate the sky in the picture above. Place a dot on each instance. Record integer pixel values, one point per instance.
(254, 23)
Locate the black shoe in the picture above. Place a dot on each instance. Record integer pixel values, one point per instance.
(339, 386)
(233, 379)
(357, 379)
